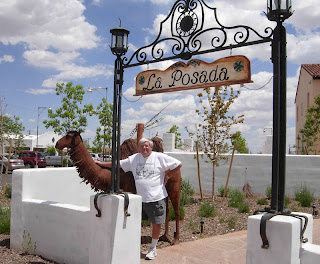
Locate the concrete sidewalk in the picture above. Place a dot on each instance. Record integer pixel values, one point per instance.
(226, 249)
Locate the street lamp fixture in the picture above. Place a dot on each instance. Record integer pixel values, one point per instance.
(119, 47)
(279, 10)
(40, 110)
(119, 40)
(89, 91)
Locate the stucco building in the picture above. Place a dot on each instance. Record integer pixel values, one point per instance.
(308, 88)
(44, 140)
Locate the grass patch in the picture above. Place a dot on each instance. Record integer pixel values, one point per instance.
(243, 208)
(186, 193)
(172, 215)
(221, 191)
(232, 222)
(236, 198)
(5, 220)
(287, 201)
(304, 195)
(268, 191)
(262, 201)
(207, 210)
(145, 223)
(8, 191)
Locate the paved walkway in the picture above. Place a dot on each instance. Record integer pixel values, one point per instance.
(226, 249)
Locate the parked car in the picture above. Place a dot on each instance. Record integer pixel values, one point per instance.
(33, 158)
(106, 157)
(55, 160)
(14, 162)
(95, 156)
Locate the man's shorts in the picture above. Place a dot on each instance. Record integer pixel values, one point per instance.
(154, 211)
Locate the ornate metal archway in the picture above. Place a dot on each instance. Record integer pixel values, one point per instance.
(190, 35)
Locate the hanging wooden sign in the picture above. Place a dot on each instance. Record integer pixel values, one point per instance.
(194, 75)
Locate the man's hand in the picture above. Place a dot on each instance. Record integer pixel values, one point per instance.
(166, 178)
(103, 164)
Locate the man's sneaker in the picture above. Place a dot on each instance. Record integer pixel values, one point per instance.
(151, 254)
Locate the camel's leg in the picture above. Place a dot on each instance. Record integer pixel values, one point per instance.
(174, 188)
(165, 236)
(176, 206)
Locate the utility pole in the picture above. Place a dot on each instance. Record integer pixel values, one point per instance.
(1, 125)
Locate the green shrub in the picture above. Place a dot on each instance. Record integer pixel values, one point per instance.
(287, 201)
(221, 191)
(232, 222)
(236, 198)
(243, 208)
(262, 201)
(185, 199)
(4, 220)
(268, 191)
(186, 193)
(207, 210)
(304, 196)
(172, 215)
(8, 191)
(145, 223)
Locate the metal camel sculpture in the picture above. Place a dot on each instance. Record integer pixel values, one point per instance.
(100, 178)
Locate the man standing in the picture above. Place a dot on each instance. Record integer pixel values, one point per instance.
(151, 171)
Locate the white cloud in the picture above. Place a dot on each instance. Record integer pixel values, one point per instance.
(96, 2)
(43, 24)
(306, 16)
(301, 48)
(6, 58)
(65, 63)
(40, 91)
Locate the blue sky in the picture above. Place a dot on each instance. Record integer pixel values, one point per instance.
(43, 42)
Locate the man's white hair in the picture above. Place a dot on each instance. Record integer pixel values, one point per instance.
(143, 140)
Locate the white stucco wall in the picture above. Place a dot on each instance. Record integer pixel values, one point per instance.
(257, 169)
(55, 209)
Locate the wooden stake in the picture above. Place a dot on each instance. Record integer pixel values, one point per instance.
(7, 169)
(198, 165)
(225, 188)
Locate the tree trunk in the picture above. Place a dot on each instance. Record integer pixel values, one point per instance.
(213, 172)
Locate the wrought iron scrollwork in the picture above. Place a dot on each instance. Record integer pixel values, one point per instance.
(191, 35)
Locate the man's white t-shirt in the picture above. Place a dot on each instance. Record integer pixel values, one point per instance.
(149, 174)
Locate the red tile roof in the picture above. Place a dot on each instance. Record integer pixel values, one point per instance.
(312, 69)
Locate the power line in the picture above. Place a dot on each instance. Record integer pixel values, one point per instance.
(253, 89)
(130, 100)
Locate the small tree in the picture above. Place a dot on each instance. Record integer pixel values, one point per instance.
(214, 128)
(178, 140)
(311, 128)
(51, 150)
(70, 116)
(240, 142)
(12, 128)
(103, 133)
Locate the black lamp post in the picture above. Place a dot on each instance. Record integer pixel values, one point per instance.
(279, 10)
(119, 46)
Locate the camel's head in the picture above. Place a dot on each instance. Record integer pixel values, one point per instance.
(72, 139)
(128, 147)
(157, 144)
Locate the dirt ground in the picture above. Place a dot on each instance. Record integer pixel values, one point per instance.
(227, 220)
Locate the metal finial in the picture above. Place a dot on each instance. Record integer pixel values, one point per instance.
(120, 21)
